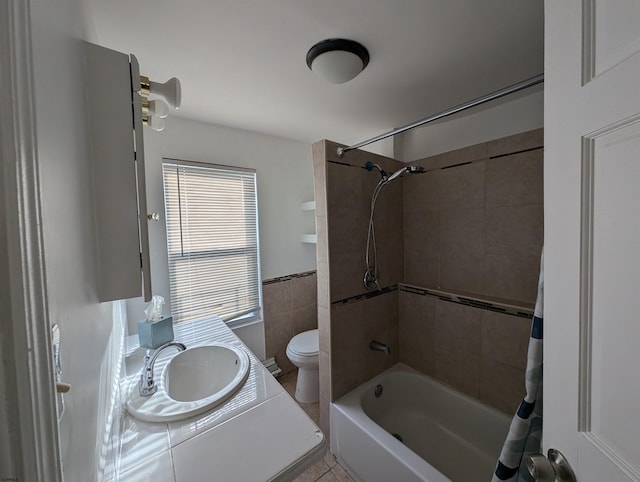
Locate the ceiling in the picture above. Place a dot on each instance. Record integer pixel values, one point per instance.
(242, 62)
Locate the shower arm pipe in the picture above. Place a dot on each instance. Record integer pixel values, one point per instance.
(538, 79)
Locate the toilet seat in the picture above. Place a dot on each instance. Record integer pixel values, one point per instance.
(305, 344)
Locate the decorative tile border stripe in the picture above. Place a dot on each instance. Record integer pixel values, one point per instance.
(343, 163)
(459, 164)
(366, 296)
(514, 310)
(288, 277)
(516, 152)
(484, 159)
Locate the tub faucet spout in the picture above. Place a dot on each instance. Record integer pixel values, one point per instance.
(377, 346)
(147, 385)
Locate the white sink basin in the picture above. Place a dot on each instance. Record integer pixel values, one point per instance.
(202, 371)
(192, 382)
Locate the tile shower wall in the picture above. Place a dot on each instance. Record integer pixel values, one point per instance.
(349, 190)
(479, 352)
(290, 307)
(354, 324)
(474, 227)
(346, 320)
(475, 222)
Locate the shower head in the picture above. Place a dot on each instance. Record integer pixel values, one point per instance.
(415, 169)
(410, 169)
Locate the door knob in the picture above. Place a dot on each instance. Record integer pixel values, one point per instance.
(552, 468)
(540, 468)
(153, 217)
(62, 387)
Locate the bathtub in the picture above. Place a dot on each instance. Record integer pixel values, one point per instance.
(416, 430)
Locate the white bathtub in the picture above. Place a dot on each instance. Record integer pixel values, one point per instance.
(447, 436)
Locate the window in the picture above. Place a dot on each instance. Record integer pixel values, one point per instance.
(212, 240)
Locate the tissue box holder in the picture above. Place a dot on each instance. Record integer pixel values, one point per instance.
(153, 334)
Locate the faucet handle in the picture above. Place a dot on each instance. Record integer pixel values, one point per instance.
(147, 385)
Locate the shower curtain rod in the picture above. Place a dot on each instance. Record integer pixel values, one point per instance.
(538, 79)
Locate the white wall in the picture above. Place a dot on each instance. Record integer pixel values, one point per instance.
(69, 240)
(284, 182)
(512, 115)
(10, 455)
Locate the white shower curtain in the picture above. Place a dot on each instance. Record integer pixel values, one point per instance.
(525, 432)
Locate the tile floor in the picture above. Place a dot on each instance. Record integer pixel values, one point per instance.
(327, 469)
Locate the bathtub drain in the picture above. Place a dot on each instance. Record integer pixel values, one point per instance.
(378, 391)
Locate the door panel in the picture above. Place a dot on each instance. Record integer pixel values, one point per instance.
(592, 236)
(612, 33)
(609, 329)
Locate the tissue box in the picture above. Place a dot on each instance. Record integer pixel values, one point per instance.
(153, 334)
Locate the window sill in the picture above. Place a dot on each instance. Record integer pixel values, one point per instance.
(241, 323)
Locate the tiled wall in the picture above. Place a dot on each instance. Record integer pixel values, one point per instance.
(290, 307)
(474, 222)
(347, 321)
(349, 190)
(472, 225)
(478, 352)
(354, 324)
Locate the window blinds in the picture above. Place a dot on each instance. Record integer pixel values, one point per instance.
(212, 240)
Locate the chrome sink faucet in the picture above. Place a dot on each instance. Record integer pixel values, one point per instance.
(147, 384)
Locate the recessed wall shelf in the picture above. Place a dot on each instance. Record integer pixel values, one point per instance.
(309, 238)
(309, 206)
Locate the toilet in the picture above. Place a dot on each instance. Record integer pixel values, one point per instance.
(302, 350)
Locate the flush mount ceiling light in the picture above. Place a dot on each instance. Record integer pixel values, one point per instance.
(337, 60)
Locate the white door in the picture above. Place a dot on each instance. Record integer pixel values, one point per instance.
(592, 236)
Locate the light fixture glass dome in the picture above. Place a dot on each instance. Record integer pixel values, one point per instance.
(337, 60)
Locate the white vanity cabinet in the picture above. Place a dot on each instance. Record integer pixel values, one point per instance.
(117, 161)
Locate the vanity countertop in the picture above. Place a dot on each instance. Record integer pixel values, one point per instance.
(260, 434)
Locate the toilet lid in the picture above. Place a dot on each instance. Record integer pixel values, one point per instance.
(305, 343)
